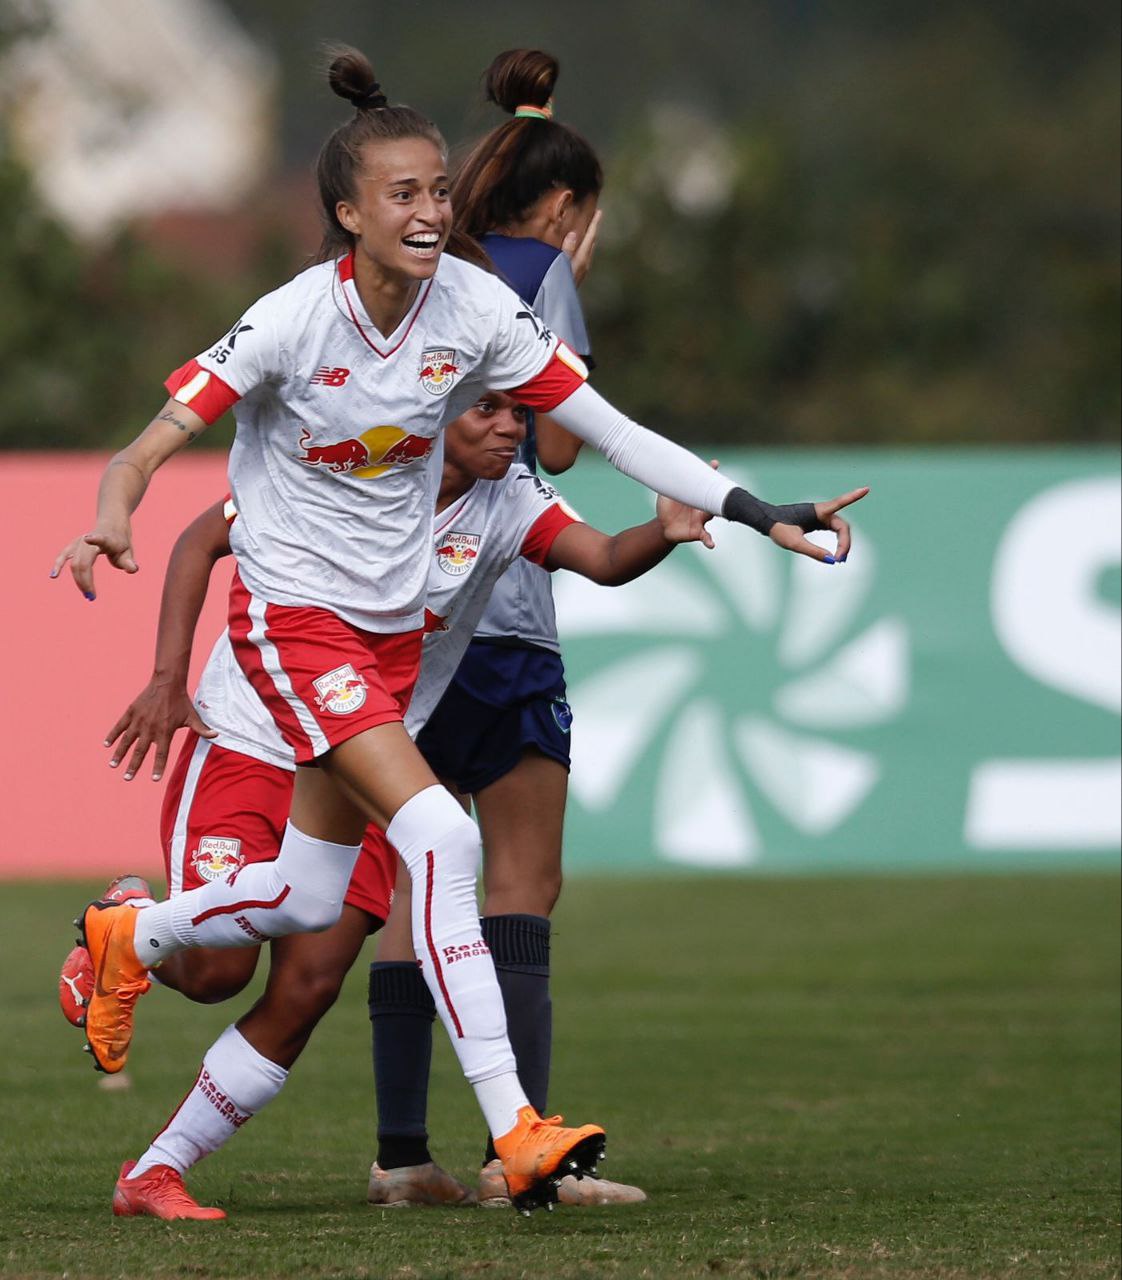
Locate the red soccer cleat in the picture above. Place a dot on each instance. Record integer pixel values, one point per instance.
(158, 1193)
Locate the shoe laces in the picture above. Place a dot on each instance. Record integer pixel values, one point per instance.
(168, 1184)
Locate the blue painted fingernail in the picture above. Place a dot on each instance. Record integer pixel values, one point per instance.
(53, 573)
(88, 594)
(843, 559)
(828, 560)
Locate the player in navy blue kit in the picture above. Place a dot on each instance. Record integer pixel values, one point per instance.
(527, 192)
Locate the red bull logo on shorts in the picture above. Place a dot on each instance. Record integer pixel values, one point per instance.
(438, 371)
(340, 691)
(456, 552)
(368, 455)
(217, 857)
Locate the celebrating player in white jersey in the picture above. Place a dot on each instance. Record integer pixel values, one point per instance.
(228, 795)
(341, 381)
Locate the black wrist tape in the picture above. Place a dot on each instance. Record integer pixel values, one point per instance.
(744, 508)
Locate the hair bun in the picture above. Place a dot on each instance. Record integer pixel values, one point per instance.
(351, 76)
(521, 77)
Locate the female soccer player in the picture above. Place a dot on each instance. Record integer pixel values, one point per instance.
(488, 514)
(341, 382)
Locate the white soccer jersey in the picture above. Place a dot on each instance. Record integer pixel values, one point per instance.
(333, 468)
(474, 540)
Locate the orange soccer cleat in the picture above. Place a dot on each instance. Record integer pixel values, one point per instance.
(537, 1154)
(119, 981)
(76, 981)
(158, 1193)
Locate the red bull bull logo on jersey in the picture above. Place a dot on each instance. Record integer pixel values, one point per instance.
(217, 857)
(438, 371)
(365, 456)
(340, 691)
(456, 552)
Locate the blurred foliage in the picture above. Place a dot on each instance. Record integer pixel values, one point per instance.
(899, 224)
(928, 253)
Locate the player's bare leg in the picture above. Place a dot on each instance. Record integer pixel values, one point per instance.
(245, 1069)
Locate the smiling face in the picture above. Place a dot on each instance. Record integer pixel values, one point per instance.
(401, 215)
(481, 443)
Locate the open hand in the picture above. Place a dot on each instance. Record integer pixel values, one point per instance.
(684, 524)
(151, 720)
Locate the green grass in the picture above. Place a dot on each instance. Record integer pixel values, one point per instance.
(866, 1077)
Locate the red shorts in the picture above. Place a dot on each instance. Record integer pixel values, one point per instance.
(322, 680)
(223, 810)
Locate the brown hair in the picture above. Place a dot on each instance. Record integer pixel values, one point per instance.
(352, 77)
(510, 169)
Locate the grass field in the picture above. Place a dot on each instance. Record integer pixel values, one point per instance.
(868, 1077)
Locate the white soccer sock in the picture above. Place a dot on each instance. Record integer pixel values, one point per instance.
(440, 845)
(300, 892)
(234, 1083)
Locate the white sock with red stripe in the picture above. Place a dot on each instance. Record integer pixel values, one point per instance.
(234, 1083)
(301, 892)
(440, 845)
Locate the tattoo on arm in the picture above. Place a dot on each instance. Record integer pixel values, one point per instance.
(178, 422)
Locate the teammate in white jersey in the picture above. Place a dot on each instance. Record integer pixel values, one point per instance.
(328, 488)
(489, 514)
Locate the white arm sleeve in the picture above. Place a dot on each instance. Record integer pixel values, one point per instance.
(643, 455)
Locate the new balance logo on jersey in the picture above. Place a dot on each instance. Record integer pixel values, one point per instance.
(326, 377)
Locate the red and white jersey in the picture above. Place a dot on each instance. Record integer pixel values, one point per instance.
(474, 540)
(334, 469)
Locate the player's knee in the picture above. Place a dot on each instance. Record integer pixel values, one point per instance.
(458, 851)
(310, 992)
(309, 914)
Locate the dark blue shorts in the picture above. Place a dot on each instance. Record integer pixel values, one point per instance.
(502, 701)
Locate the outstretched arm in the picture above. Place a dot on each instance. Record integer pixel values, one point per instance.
(612, 561)
(668, 468)
(122, 487)
(164, 706)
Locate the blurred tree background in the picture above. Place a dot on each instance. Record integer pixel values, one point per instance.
(859, 223)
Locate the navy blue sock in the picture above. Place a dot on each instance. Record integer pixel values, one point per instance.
(401, 1016)
(520, 949)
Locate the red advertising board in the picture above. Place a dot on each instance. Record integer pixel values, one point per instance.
(70, 666)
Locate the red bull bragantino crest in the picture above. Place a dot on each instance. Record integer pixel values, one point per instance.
(456, 551)
(368, 455)
(217, 857)
(340, 691)
(438, 371)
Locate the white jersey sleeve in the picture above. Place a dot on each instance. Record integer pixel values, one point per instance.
(525, 357)
(244, 359)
